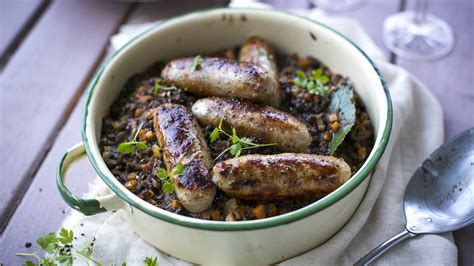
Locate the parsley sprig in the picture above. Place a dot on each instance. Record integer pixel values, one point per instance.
(151, 261)
(314, 83)
(168, 176)
(238, 143)
(61, 250)
(129, 147)
(197, 62)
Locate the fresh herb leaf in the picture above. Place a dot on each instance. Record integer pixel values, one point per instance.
(314, 84)
(156, 87)
(126, 147)
(214, 135)
(235, 149)
(48, 242)
(162, 174)
(141, 145)
(168, 176)
(178, 169)
(342, 104)
(259, 52)
(48, 262)
(63, 259)
(30, 263)
(197, 62)
(235, 138)
(61, 242)
(319, 76)
(300, 79)
(60, 247)
(130, 146)
(238, 143)
(151, 261)
(168, 187)
(66, 236)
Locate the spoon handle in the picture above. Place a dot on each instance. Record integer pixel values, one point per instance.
(380, 249)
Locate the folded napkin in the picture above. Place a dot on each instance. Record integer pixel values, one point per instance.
(417, 131)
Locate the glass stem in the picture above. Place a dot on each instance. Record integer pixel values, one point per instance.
(421, 8)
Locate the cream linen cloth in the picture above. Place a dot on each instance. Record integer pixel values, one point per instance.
(417, 131)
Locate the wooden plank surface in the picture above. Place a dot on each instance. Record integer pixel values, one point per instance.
(451, 81)
(42, 196)
(41, 84)
(15, 17)
(30, 220)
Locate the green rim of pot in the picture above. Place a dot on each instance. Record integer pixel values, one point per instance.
(315, 207)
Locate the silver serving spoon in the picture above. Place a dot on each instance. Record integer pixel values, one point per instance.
(440, 195)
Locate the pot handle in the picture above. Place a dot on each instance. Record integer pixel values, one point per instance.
(85, 206)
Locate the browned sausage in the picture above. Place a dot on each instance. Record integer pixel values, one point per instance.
(258, 51)
(182, 140)
(223, 77)
(264, 123)
(280, 176)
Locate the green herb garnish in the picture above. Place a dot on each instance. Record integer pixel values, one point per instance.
(156, 87)
(60, 249)
(315, 83)
(151, 261)
(129, 147)
(168, 177)
(197, 62)
(259, 52)
(238, 143)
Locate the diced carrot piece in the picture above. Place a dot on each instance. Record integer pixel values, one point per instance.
(230, 217)
(174, 204)
(216, 215)
(259, 211)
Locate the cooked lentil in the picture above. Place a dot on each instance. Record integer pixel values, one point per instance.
(137, 170)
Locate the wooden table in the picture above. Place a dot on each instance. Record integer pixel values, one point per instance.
(50, 50)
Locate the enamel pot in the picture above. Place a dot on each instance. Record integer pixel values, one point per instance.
(262, 241)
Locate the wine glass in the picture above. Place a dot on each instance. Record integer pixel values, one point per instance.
(335, 5)
(417, 35)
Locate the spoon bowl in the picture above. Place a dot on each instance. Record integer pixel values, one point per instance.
(439, 197)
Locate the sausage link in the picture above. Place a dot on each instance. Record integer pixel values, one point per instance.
(258, 51)
(182, 140)
(263, 123)
(280, 176)
(223, 77)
